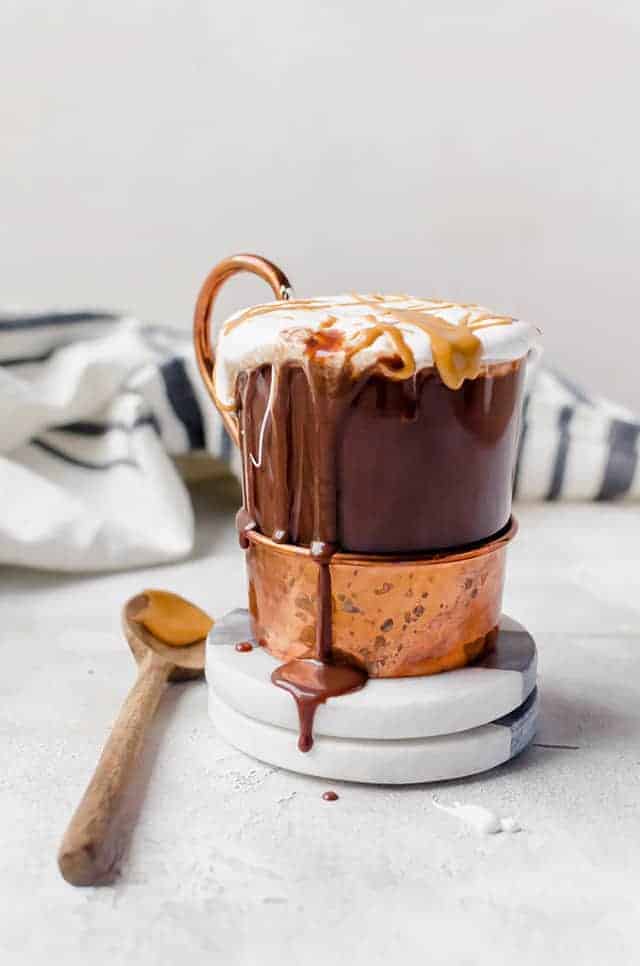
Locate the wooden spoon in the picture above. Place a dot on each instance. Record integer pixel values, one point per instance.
(94, 840)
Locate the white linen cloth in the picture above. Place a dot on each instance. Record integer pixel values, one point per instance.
(93, 406)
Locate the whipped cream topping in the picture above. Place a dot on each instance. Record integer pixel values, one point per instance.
(279, 332)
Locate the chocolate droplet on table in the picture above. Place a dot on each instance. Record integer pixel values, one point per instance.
(330, 796)
(244, 647)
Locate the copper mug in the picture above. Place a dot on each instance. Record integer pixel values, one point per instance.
(419, 596)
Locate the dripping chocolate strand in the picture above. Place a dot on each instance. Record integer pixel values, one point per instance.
(245, 517)
(244, 525)
(280, 401)
(324, 542)
(375, 302)
(297, 482)
(330, 395)
(311, 683)
(324, 616)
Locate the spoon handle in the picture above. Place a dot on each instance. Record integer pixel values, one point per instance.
(92, 843)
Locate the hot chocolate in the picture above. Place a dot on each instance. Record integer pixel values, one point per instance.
(370, 425)
(417, 467)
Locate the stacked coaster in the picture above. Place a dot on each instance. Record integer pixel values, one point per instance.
(393, 731)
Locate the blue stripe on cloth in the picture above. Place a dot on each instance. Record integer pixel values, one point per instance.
(27, 360)
(86, 427)
(83, 464)
(560, 463)
(183, 400)
(16, 322)
(622, 460)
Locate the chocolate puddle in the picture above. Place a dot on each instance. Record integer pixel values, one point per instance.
(310, 683)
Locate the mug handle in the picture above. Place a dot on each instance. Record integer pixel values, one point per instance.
(216, 278)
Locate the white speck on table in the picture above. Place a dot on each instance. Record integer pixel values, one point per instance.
(241, 864)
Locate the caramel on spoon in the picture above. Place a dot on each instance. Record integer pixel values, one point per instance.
(167, 635)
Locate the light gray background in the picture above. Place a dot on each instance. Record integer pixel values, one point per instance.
(478, 150)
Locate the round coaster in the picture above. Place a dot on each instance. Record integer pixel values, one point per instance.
(387, 708)
(395, 762)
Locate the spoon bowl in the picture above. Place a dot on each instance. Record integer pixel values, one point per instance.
(187, 661)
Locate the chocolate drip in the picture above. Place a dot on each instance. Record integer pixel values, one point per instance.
(244, 524)
(326, 411)
(279, 421)
(322, 554)
(246, 517)
(243, 647)
(310, 683)
(325, 523)
(331, 396)
(330, 796)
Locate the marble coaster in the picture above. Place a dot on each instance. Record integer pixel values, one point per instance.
(394, 762)
(389, 708)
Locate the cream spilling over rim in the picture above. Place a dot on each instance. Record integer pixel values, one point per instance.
(370, 331)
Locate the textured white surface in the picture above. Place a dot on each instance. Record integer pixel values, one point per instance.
(235, 863)
(387, 708)
(400, 761)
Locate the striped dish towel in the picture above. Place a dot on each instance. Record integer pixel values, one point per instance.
(574, 446)
(94, 405)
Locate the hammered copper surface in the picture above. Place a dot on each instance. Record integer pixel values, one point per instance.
(392, 616)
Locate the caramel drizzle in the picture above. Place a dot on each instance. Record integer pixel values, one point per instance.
(367, 337)
(456, 349)
(270, 307)
(375, 301)
(171, 618)
(457, 352)
(278, 409)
